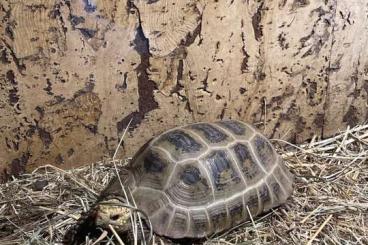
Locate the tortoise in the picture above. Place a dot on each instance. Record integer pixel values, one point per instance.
(199, 179)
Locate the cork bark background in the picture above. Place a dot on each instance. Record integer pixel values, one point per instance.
(74, 73)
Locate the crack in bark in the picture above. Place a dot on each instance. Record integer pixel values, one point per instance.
(18, 63)
(146, 87)
(329, 67)
(179, 77)
(55, 13)
(204, 88)
(256, 23)
(244, 65)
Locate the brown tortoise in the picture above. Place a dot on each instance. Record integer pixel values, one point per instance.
(200, 179)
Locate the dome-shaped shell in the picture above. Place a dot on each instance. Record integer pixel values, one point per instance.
(202, 178)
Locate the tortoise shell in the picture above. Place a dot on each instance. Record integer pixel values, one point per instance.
(203, 178)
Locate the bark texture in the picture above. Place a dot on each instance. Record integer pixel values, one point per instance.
(73, 73)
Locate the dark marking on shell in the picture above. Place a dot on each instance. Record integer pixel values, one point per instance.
(275, 188)
(282, 179)
(221, 168)
(264, 196)
(153, 163)
(161, 222)
(157, 200)
(182, 141)
(198, 222)
(236, 210)
(191, 175)
(189, 187)
(264, 152)
(247, 163)
(151, 169)
(251, 200)
(218, 217)
(179, 223)
(211, 133)
(234, 126)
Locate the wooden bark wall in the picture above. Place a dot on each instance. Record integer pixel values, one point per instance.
(73, 73)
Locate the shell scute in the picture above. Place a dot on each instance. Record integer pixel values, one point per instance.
(284, 179)
(236, 210)
(251, 201)
(235, 127)
(180, 223)
(247, 163)
(276, 190)
(189, 186)
(182, 141)
(264, 151)
(162, 219)
(191, 176)
(218, 217)
(152, 163)
(209, 133)
(180, 144)
(199, 225)
(264, 197)
(158, 200)
(152, 169)
(225, 179)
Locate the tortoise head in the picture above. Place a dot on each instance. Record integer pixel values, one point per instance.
(105, 213)
(112, 212)
(117, 213)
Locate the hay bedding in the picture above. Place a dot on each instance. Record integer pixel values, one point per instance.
(329, 204)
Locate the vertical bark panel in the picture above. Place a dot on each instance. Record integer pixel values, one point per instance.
(74, 73)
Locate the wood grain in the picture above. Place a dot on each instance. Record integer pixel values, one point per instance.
(73, 73)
